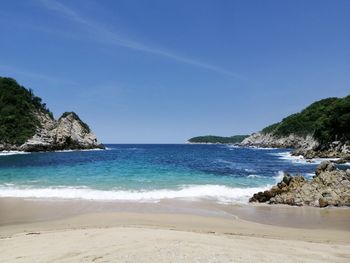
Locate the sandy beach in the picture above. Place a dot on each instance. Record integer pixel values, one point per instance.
(176, 231)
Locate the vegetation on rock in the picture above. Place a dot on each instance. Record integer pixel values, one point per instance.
(326, 120)
(26, 124)
(18, 105)
(76, 117)
(218, 139)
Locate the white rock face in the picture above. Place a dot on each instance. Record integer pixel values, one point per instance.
(43, 136)
(68, 132)
(69, 127)
(306, 146)
(292, 141)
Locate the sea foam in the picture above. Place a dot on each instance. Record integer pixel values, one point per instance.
(219, 193)
(287, 156)
(279, 177)
(6, 153)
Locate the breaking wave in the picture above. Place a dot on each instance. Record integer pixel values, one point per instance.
(219, 193)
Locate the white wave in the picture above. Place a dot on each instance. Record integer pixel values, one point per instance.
(279, 176)
(287, 156)
(80, 150)
(309, 175)
(219, 193)
(232, 146)
(320, 160)
(254, 176)
(5, 153)
(261, 148)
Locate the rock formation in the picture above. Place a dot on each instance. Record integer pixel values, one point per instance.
(66, 133)
(26, 124)
(329, 186)
(306, 146)
(335, 149)
(322, 129)
(260, 139)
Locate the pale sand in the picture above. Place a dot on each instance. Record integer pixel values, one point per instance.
(109, 232)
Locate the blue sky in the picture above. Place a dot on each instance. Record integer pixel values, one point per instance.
(164, 71)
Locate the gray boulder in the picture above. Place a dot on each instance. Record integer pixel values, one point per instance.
(329, 186)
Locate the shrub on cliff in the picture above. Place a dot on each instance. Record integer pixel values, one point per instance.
(75, 116)
(17, 106)
(218, 139)
(327, 120)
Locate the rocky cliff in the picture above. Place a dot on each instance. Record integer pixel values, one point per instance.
(66, 133)
(320, 130)
(26, 124)
(291, 141)
(306, 146)
(329, 186)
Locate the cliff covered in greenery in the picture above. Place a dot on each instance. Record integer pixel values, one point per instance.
(326, 120)
(218, 139)
(26, 124)
(320, 130)
(17, 112)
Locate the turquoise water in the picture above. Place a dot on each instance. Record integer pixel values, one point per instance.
(147, 172)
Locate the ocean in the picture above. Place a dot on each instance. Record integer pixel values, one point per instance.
(148, 173)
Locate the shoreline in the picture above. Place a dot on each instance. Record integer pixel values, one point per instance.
(16, 211)
(14, 152)
(72, 231)
(170, 230)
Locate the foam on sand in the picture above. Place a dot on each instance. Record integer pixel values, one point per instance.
(219, 193)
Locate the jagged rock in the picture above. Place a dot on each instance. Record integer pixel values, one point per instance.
(322, 202)
(305, 146)
(332, 150)
(325, 166)
(260, 139)
(68, 132)
(329, 186)
(28, 125)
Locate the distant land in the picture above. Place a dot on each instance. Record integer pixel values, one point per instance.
(320, 130)
(26, 123)
(218, 139)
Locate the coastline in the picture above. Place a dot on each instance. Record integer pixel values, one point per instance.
(173, 229)
(14, 152)
(43, 230)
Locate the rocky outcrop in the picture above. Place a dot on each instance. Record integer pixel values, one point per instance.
(66, 133)
(306, 146)
(335, 149)
(260, 139)
(329, 186)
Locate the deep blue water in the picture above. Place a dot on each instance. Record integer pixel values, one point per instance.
(147, 172)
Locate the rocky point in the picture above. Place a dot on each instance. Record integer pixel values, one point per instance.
(329, 187)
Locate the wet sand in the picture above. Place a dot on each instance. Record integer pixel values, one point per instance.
(170, 231)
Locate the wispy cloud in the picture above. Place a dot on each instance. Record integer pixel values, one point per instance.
(9, 71)
(111, 37)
